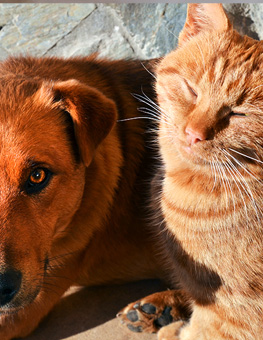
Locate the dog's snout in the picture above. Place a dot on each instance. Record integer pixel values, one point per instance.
(10, 282)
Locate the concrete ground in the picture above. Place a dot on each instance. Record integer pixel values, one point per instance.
(89, 313)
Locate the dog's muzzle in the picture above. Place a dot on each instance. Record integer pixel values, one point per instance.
(10, 282)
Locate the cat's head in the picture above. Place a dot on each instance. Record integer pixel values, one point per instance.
(210, 90)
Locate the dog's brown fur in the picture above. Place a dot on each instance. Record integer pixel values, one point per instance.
(86, 225)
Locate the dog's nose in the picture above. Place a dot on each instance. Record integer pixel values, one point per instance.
(10, 282)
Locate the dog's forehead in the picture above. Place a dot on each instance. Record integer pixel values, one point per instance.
(29, 128)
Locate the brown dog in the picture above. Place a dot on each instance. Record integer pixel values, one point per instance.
(72, 182)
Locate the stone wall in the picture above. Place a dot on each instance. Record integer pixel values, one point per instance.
(113, 30)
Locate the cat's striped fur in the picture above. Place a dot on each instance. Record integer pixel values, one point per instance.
(210, 91)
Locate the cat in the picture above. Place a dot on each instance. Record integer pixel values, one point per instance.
(210, 93)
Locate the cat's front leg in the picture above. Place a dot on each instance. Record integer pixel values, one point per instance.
(171, 332)
(181, 330)
(203, 325)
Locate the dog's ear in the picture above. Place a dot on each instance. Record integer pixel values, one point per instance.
(92, 113)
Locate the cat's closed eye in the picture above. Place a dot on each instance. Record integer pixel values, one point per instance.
(237, 114)
(190, 88)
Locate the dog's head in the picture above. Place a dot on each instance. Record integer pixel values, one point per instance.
(48, 136)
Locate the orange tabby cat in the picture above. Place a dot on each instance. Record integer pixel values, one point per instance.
(210, 90)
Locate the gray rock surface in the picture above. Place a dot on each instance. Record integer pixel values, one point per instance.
(101, 31)
(35, 29)
(113, 30)
(151, 28)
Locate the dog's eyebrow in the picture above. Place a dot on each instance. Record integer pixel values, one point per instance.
(30, 162)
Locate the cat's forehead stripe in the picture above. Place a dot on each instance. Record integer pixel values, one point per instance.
(224, 67)
(234, 71)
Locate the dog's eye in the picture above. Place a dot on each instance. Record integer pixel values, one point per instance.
(37, 180)
(37, 176)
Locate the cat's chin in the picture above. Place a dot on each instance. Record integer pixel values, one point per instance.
(193, 154)
(188, 149)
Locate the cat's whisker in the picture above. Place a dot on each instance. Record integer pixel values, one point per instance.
(145, 99)
(153, 111)
(152, 114)
(237, 173)
(154, 105)
(167, 122)
(148, 99)
(232, 195)
(149, 112)
(153, 75)
(252, 199)
(213, 170)
(160, 114)
(222, 175)
(135, 118)
(245, 187)
(172, 33)
(152, 131)
(242, 166)
(233, 176)
(255, 107)
(228, 183)
(257, 87)
(246, 156)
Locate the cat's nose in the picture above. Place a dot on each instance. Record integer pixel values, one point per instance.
(194, 136)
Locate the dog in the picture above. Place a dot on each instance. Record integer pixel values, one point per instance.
(73, 181)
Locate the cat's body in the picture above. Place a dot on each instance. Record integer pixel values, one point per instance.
(210, 92)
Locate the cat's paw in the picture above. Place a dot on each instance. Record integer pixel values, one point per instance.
(155, 311)
(171, 332)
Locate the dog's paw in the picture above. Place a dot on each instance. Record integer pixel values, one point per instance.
(145, 317)
(155, 311)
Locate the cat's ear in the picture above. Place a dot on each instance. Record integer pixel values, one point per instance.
(204, 17)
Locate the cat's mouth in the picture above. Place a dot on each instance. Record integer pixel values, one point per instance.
(214, 152)
(232, 161)
(200, 153)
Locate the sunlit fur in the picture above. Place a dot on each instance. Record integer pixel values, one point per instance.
(211, 198)
(75, 117)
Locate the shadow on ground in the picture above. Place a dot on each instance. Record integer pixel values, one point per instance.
(89, 313)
